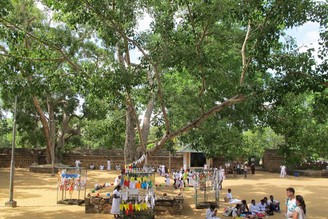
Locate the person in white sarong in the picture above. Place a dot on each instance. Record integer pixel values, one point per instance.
(116, 202)
(108, 164)
(163, 170)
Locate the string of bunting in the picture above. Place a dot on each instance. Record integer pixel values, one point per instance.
(141, 159)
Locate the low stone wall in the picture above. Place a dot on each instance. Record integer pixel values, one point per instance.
(23, 157)
(98, 157)
(309, 173)
(98, 205)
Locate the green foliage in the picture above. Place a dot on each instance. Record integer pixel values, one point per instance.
(256, 141)
(296, 119)
(193, 47)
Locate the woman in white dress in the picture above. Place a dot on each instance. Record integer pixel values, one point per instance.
(116, 202)
(108, 164)
(300, 210)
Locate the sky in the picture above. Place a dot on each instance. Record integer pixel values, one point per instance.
(306, 35)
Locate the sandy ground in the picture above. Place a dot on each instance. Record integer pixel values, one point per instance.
(36, 194)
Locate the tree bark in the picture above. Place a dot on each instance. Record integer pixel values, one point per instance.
(61, 133)
(52, 130)
(130, 135)
(146, 121)
(45, 127)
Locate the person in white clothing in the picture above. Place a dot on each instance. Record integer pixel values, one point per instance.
(300, 210)
(101, 167)
(274, 204)
(77, 163)
(108, 164)
(229, 198)
(163, 170)
(290, 203)
(262, 206)
(116, 202)
(117, 180)
(253, 207)
(282, 171)
(236, 211)
(167, 180)
(211, 212)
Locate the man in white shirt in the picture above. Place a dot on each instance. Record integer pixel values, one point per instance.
(274, 204)
(253, 207)
(262, 206)
(282, 171)
(117, 180)
(229, 198)
(291, 202)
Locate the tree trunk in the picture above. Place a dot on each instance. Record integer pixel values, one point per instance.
(146, 121)
(61, 134)
(130, 135)
(45, 127)
(52, 130)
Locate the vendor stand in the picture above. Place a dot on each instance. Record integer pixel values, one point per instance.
(206, 188)
(138, 194)
(71, 185)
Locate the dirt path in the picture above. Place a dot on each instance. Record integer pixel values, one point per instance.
(36, 194)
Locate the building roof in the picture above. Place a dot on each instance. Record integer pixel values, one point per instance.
(188, 149)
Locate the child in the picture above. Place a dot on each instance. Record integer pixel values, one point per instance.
(211, 212)
(236, 212)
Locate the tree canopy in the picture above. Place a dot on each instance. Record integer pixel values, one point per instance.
(208, 72)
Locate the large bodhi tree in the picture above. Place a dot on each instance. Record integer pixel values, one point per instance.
(223, 48)
(37, 72)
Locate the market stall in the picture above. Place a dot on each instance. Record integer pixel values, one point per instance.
(206, 188)
(138, 194)
(71, 185)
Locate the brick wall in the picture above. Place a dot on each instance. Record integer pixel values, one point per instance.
(98, 157)
(24, 158)
(272, 160)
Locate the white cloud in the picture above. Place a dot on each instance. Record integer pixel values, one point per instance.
(306, 36)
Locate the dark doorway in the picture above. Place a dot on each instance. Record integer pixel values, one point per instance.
(197, 159)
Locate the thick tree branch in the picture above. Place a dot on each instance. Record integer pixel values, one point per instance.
(243, 55)
(135, 115)
(161, 99)
(135, 43)
(34, 59)
(45, 126)
(234, 100)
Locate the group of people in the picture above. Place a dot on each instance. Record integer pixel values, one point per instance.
(101, 166)
(295, 207)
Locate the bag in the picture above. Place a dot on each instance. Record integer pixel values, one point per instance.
(260, 215)
(227, 212)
